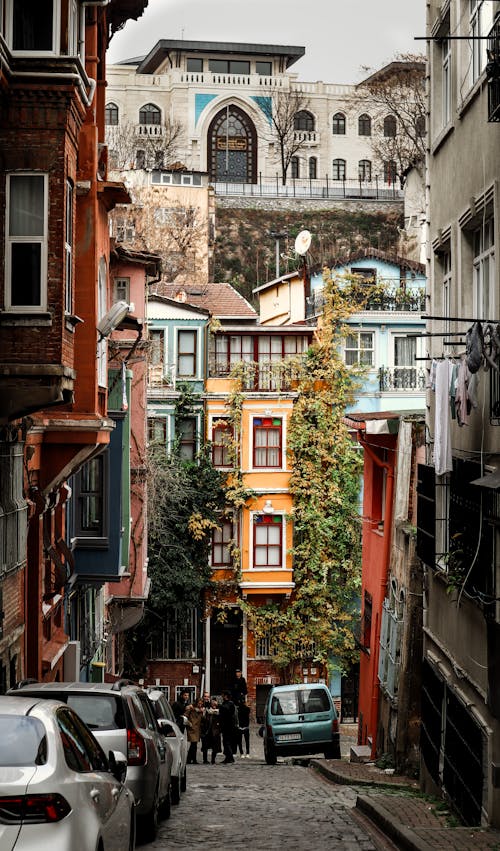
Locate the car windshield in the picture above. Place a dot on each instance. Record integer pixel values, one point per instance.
(285, 703)
(99, 711)
(23, 741)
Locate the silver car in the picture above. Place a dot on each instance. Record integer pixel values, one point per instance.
(175, 739)
(122, 718)
(57, 788)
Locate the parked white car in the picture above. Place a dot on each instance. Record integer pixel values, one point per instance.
(175, 739)
(58, 790)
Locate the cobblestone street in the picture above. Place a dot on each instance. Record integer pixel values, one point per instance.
(254, 806)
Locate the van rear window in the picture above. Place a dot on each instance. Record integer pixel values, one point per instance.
(315, 700)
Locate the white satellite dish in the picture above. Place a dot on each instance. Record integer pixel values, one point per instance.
(302, 242)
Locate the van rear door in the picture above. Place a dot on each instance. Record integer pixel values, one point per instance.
(285, 716)
(317, 715)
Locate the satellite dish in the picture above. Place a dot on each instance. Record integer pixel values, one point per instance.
(302, 242)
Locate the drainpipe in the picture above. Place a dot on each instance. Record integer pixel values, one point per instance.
(81, 41)
(389, 493)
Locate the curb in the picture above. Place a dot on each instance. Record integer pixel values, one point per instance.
(404, 836)
(344, 780)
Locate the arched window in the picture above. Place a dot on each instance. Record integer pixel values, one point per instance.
(420, 126)
(390, 172)
(111, 114)
(365, 170)
(364, 125)
(295, 167)
(390, 125)
(339, 169)
(303, 120)
(338, 124)
(149, 114)
(313, 168)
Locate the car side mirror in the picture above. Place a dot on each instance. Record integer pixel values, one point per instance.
(166, 728)
(118, 765)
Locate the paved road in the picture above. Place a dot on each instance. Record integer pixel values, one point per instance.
(254, 806)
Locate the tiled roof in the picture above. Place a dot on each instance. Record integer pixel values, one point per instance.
(222, 300)
(364, 253)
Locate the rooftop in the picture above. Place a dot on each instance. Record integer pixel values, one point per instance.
(221, 299)
(163, 48)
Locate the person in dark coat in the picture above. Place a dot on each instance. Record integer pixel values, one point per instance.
(179, 707)
(244, 727)
(210, 731)
(227, 721)
(239, 689)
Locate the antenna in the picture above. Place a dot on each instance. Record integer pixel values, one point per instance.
(302, 242)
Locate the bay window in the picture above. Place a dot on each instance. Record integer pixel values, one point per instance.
(33, 26)
(26, 242)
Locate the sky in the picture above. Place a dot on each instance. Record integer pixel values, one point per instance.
(341, 37)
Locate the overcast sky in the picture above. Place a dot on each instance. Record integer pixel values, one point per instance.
(340, 36)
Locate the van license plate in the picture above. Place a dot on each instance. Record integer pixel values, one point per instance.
(289, 737)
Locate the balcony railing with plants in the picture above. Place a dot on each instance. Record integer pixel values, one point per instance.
(373, 297)
(271, 376)
(401, 378)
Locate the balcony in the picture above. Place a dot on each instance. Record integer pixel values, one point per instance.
(306, 137)
(266, 376)
(493, 71)
(150, 130)
(379, 298)
(401, 378)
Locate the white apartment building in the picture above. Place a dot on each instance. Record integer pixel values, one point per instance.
(221, 94)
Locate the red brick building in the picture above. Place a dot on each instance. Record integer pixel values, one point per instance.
(54, 288)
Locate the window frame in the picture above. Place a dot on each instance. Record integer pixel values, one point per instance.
(364, 124)
(223, 425)
(121, 281)
(313, 168)
(192, 354)
(390, 125)
(184, 440)
(364, 169)
(339, 169)
(110, 109)
(295, 168)
(228, 525)
(197, 60)
(98, 537)
(268, 520)
(41, 240)
(56, 32)
(69, 236)
(261, 428)
(357, 332)
(482, 259)
(147, 111)
(339, 124)
(304, 120)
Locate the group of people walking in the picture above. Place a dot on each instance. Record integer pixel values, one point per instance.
(221, 727)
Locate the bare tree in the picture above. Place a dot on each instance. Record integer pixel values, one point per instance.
(157, 146)
(282, 109)
(397, 91)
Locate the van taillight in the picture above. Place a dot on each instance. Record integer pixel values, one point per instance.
(335, 725)
(33, 809)
(136, 749)
(269, 731)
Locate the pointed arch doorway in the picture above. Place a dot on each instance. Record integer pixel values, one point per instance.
(232, 147)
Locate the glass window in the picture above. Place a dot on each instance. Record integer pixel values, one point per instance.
(99, 712)
(111, 114)
(405, 370)
(186, 353)
(365, 170)
(359, 348)
(339, 169)
(239, 66)
(295, 167)
(285, 703)
(149, 114)
(187, 438)
(480, 19)
(484, 270)
(23, 741)
(267, 442)
(222, 453)
(390, 126)
(157, 430)
(26, 255)
(222, 540)
(315, 700)
(179, 639)
(90, 497)
(303, 120)
(338, 124)
(122, 289)
(194, 63)
(313, 168)
(219, 66)
(446, 80)
(265, 69)
(364, 125)
(268, 540)
(81, 751)
(33, 24)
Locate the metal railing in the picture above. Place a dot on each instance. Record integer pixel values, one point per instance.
(391, 299)
(319, 188)
(401, 378)
(272, 376)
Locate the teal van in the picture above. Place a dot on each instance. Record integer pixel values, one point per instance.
(300, 719)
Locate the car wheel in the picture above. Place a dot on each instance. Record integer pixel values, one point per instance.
(184, 781)
(176, 792)
(166, 808)
(270, 754)
(150, 821)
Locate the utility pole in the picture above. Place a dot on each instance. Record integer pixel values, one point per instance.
(277, 235)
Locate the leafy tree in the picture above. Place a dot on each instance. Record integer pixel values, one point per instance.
(280, 108)
(319, 620)
(397, 90)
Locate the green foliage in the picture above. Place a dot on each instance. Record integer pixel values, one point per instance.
(318, 621)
